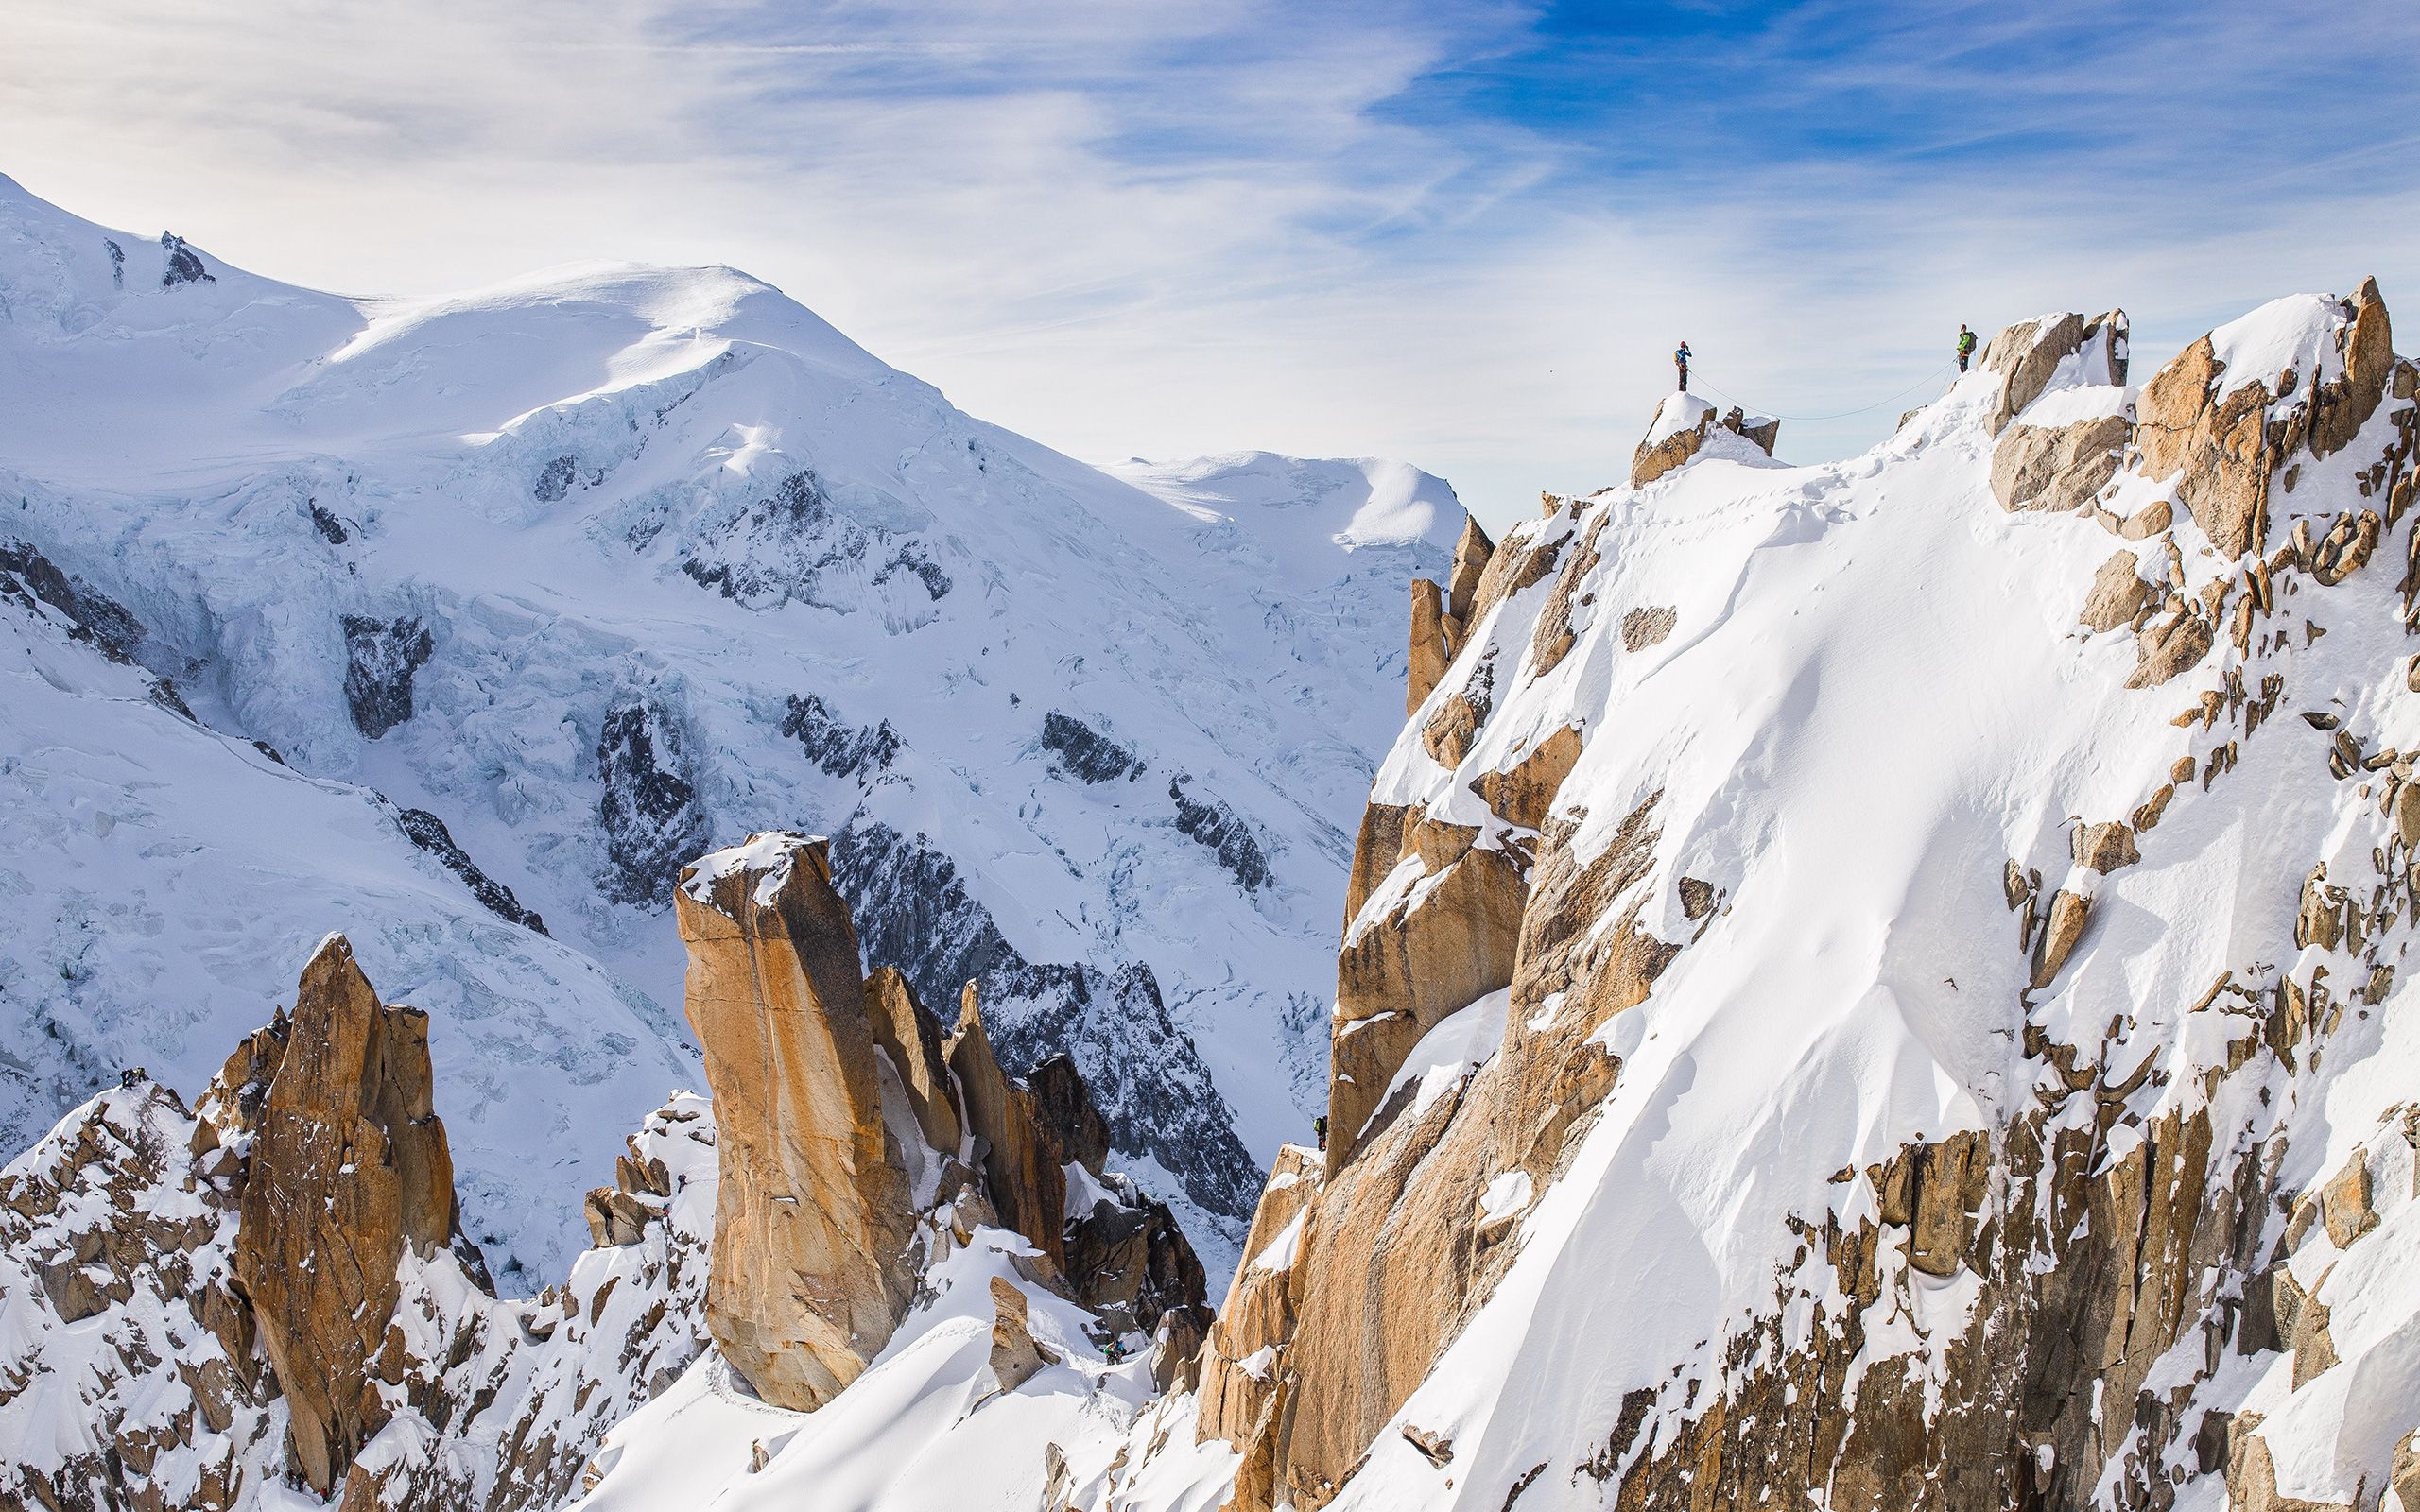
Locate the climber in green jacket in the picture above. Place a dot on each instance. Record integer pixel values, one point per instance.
(1966, 346)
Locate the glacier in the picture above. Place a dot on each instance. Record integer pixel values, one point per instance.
(458, 624)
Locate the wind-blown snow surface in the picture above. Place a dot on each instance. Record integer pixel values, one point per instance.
(574, 579)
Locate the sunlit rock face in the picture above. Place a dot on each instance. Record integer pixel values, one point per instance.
(811, 1262)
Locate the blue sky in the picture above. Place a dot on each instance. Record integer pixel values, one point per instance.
(1462, 234)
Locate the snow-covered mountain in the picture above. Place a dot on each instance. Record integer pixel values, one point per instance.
(1881, 985)
(458, 624)
(1887, 984)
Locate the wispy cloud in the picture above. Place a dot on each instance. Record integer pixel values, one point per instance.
(1461, 235)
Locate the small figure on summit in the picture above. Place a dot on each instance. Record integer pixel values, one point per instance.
(1681, 361)
(1966, 346)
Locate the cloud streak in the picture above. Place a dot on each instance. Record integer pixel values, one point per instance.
(1463, 235)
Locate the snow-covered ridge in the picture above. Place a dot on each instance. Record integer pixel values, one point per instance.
(494, 609)
(1954, 912)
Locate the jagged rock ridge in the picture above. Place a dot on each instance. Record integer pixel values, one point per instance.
(208, 1306)
(1587, 1232)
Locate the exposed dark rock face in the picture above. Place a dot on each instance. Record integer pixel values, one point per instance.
(1145, 1074)
(428, 832)
(27, 577)
(1143, 1071)
(328, 525)
(911, 560)
(1130, 1261)
(1084, 752)
(117, 262)
(862, 751)
(35, 584)
(648, 809)
(184, 263)
(556, 479)
(165, 693)
(381, 656)
(913, 911)
(783, 547)
(1225, 830)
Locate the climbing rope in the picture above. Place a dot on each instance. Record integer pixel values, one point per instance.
(1802, 420)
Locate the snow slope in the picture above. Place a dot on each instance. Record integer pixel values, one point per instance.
(603, 567)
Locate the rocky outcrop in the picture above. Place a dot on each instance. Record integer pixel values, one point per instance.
(346, 1158)
(1406, 967)
(862, 751)
(1086, 755)
(646, 804)
(428, 832)
(1027, 1184)
(29, 578)
(1472, 553)
(1229, 836)
(381, 658)
(2226, 438)
(2170, 647)
(814, 1217)
(1429, 657)
(1680, 429)
(1442, 619)
(816, 1256)
(1522, 794)
(1016, 1358)
(2028, 356)
(911, 1037)
(2118, 594)
(183, 265)
(2341, 408)
(2221, 450)
(2062, 467)
(1130, 1262)
(1683, 427)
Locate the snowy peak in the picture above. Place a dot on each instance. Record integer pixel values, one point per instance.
(490, 612)
(1687, 427)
